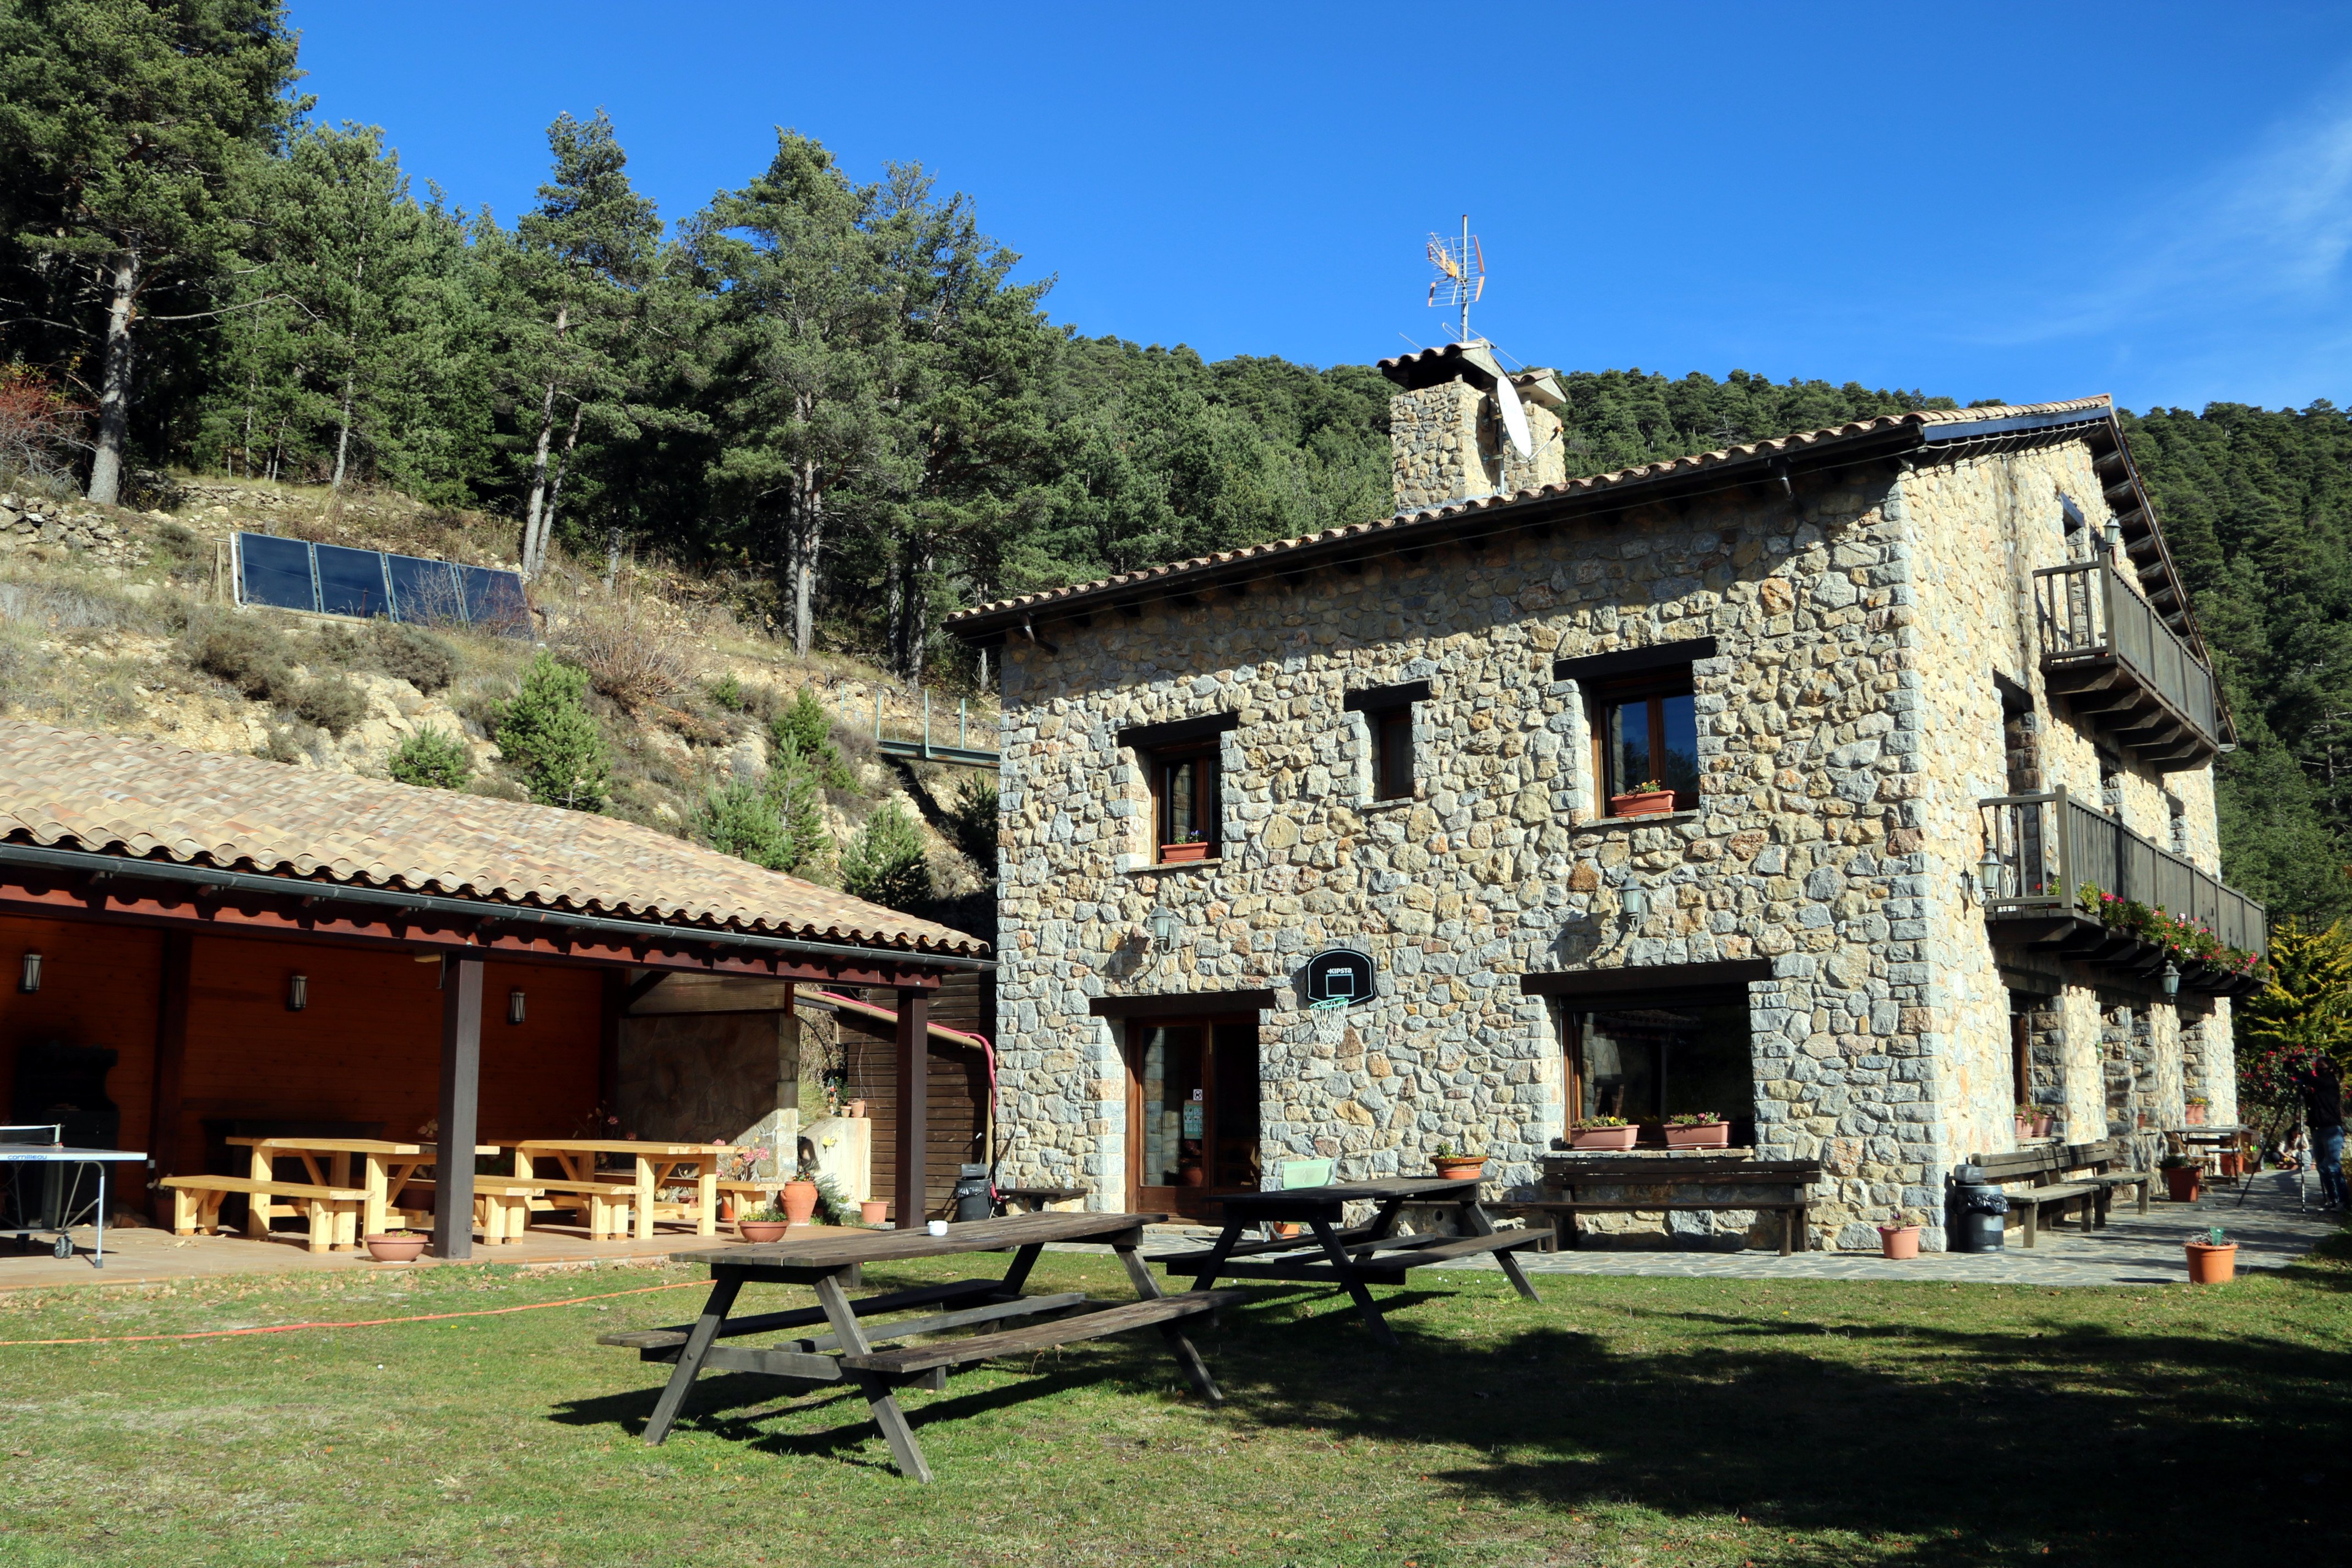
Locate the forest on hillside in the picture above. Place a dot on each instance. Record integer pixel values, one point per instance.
(836, 394)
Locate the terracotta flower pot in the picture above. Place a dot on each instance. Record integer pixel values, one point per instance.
(1706, 1135)
(874, 1211)
(2233, 1162)
(2211, 1265)
(727, 1208)
(2044, 1125)
(1455, 1170)
(760, 1232)
(858, 1110)
(1170, 852)
(1641, 803)
(1899, 1241)
(2195, 1116)
(2180, 1183)
(1603, 1137)
(800, 1201)
(396, 1246)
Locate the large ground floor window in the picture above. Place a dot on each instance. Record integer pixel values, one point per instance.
(1193, 1111)
(1645, 1064)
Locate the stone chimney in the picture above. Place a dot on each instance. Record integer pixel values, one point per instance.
(1449, 428)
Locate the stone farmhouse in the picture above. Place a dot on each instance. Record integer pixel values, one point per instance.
(1826, 784)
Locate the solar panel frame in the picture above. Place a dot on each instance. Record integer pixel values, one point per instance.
(262, 581)
(351, 582)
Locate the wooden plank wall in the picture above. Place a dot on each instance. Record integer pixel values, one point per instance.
(99, 987)
(958, 1090)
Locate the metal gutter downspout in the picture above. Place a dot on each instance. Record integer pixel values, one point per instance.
(91, 861)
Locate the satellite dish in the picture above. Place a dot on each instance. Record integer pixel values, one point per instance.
(1514, 417)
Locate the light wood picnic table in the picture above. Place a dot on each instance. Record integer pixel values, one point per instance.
(831, 1264)
(1372, 1253)
(658, 1165)
(385, 1165)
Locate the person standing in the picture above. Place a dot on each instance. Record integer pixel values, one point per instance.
(2323, 1114)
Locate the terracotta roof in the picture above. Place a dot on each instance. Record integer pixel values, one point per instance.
(149, 799)
(1920, 420)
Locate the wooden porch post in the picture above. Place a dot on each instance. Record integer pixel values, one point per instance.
(461, 1071)
(171, 1063)
(914, 1084)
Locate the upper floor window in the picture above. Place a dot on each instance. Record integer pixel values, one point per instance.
(1388, 718)
(1181, 767)
(1645, 716)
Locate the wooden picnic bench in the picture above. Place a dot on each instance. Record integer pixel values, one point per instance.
(1370, 1254)
(848, 1350)
(2084, 1175)
(503, 1205)
(333, 1213)
(1037, 1200)
(1565, 1174)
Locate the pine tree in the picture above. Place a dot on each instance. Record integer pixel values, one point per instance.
(739, 819)
(2305, 1007)
(885, 863)
(795, 793)
(133, 132)
(550, 737)
(804, 726)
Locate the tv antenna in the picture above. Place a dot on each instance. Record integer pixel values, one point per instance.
(1461, 278)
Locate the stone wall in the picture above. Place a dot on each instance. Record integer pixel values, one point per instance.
(1848, 725)
(1448, 443)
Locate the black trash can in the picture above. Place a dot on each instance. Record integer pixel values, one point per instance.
(975, 1197)
(1979, 1216)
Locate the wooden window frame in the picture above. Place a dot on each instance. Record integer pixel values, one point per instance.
(1211, 788)
(1654, 688)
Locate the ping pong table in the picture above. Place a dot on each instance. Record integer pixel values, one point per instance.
(61, 1196)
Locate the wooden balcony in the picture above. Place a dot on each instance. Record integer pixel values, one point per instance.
(2118, 667)
(2050, 845)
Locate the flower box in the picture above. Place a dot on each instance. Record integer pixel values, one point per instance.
(1456, 1170)
(1705, 1135)
(1172, 852)
(1603, 1137)
(1643, 802)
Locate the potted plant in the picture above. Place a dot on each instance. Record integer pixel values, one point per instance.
(1193, 845)
(1900, 1240)
(1697, 1130)
(2182, 1174)
(873, 1212)
(765, 1223)
(1604, 1133)
(1455, 1164)
(396, 1246)
(2212, 1258)
(2032, 1122)
(2196, 1110)
(1650, 797)
(799, 1197)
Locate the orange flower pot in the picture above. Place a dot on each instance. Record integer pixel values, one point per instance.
(800, 1201)
(1458, 1170)
(760, 1232)
(1643, 802)
(2181, 1181)
(1708, 1136)
(1174, 852)
(1603, 1137)
(2211, 1265)
(1899, 1241)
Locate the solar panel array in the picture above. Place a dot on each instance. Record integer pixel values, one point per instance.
(336, 580)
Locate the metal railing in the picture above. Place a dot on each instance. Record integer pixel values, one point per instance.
(2089, 611)
(2050, 845)
(927, 749)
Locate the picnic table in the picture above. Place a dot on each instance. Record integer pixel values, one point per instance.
(658, 1165)
(386, 1166)
(2208, 1140)
(832, 1265)
(61, 1199)
(1370, 1254)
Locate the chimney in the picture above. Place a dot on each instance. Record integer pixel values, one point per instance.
(1451, 426)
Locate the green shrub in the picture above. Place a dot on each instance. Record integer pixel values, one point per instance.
(805, 724)
(737, 819)
(330, 703)
(884, 862)
(251, 656)
(414, 654)
(431, 759)
(550, 739)
(728, 693)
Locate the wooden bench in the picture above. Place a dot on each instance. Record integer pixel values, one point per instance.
(920, 1360)
(1566, 1173)
(503, 1205)
(1037, 1200)
(2058, 1175)
(333, 1213)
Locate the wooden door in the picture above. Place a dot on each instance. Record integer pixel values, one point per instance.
(1192, 1112)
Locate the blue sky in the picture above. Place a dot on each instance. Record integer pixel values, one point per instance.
(1981, 200)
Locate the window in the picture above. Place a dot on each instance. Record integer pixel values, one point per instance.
(1646, 731)
(1644, 1064)
(1388, 720)
(1179, 762)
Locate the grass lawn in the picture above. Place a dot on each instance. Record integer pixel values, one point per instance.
(1625, 1421)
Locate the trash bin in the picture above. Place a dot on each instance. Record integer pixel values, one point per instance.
(974, 1198)
(1979, 1220)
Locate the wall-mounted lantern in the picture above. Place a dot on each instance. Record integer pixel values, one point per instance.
(1163, 926)
(1630, 900)
(514, 1007)
(2171, 979)
(30, 981)
(1989, 875)
(2113, 534)
(298, 993)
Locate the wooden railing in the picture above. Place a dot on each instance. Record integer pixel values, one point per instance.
(2088, 611)
(2050, 845)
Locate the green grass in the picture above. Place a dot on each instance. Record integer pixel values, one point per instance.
(1623, 1421)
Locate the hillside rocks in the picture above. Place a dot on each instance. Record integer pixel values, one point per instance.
(29, 521)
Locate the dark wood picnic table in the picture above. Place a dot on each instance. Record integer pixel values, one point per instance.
(1353, 1259)
(831, 1266)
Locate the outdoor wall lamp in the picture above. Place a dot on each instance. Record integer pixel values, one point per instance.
(298, 993)
(1630, 900)
(2113, 534)
(514, 1007)
(1989, 875)
(30, 980)
(1163, 926)
(2171, 978)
